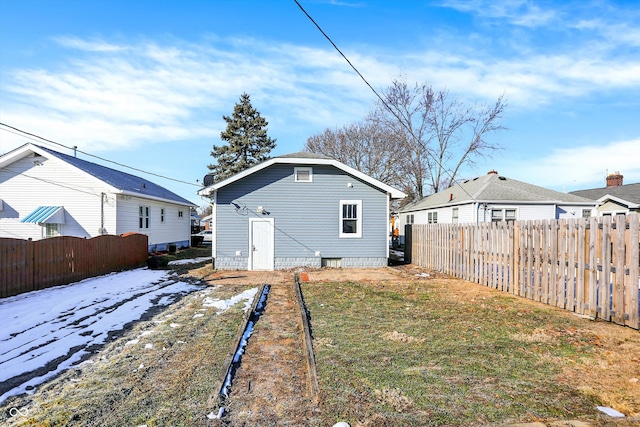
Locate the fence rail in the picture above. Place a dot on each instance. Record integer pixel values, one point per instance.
(31, 265)
(589, 266)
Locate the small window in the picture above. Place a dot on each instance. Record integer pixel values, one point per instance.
(432, 218)
(52, 230)
(303, 174)
(144, 217)
(454, 215)
(351, 218)
(409, 219)
(586, 213)
(510, 214)
(162, 215)
(180, 214)
(496, 215)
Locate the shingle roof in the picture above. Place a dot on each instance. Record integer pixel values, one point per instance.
(495, 188)
(304, 155)
(628, 192)
(305, 158)
(120, 180)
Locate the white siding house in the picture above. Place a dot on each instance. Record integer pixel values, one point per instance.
(493, 197)
(44, 193)
(616, 198)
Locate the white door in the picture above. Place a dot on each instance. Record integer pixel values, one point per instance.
(261, 244)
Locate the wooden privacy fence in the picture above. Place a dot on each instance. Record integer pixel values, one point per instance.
(31, 265)
(589, 266)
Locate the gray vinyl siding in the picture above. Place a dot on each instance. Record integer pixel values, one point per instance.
(306, 218)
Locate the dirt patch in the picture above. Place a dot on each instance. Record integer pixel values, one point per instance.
(270, 387)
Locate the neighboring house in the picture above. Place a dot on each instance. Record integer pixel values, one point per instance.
(300, 209)
(493, 197)
(616, 198)
(44, 193)
(206, 222)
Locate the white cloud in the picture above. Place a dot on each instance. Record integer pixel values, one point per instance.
(88, 45)
(578, 167)
(517, 12)
(117, 95)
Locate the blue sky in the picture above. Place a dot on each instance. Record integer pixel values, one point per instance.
(145, 83)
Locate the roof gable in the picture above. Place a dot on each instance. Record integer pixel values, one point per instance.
(119, 181)
(495, 188)
(628, 193)
(304, 158)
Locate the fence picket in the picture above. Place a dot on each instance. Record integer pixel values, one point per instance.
(590, 266)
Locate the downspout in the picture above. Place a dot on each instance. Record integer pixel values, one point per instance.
(388, 236)
(214, 227)
(102, 197)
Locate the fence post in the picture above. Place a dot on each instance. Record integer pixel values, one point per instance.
(408, 242)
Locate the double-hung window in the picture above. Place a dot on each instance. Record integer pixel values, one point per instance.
(432, 217)
(143, 217)
(350, 218)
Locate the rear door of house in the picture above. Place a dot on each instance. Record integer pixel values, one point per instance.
(261, 243)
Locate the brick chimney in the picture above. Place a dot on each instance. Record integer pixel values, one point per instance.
(614, 179)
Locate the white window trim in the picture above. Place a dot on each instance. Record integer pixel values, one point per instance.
(358, 233)
(503, 214)
(144, 214)
(308, 169)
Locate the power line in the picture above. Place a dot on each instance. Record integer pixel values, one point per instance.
(380, 97)
(32, 135)
(58, 184)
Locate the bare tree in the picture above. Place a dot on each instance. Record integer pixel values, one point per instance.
(417, 140)
(364, 146)
(438, 134)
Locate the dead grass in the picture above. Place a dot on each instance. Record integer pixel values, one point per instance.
(392, 349)
(162, 372)
(432, 352)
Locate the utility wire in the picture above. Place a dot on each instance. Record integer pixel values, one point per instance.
(380, 97)
(58, 184)
(32, 136)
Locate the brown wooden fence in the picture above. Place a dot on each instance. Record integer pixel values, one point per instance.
(31, 265)
(588, 266)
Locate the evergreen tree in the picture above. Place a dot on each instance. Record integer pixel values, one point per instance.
(246, 138)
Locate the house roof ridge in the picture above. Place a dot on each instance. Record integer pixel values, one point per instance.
(119, 180)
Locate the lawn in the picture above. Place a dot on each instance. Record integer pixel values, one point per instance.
(445, 352)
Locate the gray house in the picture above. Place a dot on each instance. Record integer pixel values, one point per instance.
(492, 198)
(300, 209)
(616, 198)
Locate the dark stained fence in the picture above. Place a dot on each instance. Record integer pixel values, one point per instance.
(589, 266)
(31, 265)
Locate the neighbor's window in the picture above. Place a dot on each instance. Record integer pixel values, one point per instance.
(52, 230)
(409, 219)
(144, 216)
(586, 213)
(303, 174)
(454, 215)
(432, 218)
(180, 214)
(498, 215)
(350, 218)
(161, 214)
